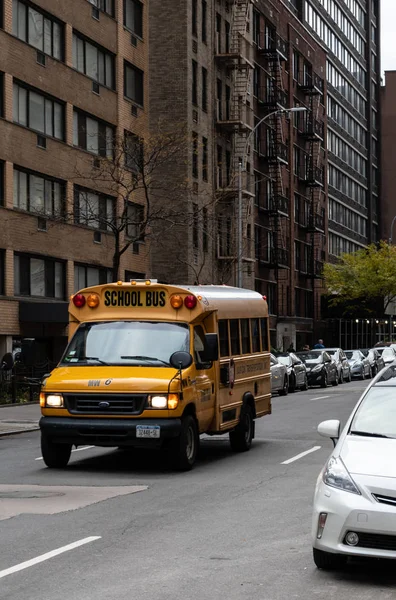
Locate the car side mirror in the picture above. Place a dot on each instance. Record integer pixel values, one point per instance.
(211, 353)
(181, 360)
(7, 362)
(330, 429)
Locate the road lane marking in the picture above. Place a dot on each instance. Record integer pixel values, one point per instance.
(319, 398)
(48, 555)
(301, 455)
(75, 450)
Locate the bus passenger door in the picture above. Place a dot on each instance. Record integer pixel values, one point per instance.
(204, 383)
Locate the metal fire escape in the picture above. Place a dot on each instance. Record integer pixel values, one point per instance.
(272, 147)
(235, 117)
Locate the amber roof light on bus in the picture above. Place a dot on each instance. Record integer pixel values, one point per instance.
(190, 302)
(93, 300)
(176, 301)
(79, 301)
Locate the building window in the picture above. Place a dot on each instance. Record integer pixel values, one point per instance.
(134, 275)
(133, 17)
(133, 152)
(195, 154)
(92, 135)
(106, 6)
(135, 221)
(37, 193)
(37, 29)
(2, 272)
(205, 232)
(38, 112)
(86, 275)
(194, 82)
(133, 83)
(195, 226)
(256, 27)
(38, 276)
(93, 209)
(194, 17)
(204, 21)
(204, 89)
(93, 61)
(2, 191)
(205, 159)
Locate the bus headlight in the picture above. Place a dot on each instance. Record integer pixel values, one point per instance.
(163, 401)
(51, 400)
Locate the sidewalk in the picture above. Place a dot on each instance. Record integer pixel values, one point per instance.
(18, 418)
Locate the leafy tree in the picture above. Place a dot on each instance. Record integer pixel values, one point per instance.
(366, 275)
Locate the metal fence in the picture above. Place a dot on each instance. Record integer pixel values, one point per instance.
(22, 384)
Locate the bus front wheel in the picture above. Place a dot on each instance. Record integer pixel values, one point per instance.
(185, 447)
(55, 456)
(242, 436)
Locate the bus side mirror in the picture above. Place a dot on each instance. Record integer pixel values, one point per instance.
(181, 360)
(211, 347)
(8, 362)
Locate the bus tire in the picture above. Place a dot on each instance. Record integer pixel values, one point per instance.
(55, 456)
(184, 448)
(242, 436)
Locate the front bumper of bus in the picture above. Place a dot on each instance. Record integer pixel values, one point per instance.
(107, 432)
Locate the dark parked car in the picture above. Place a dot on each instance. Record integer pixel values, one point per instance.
(296, 370)
(341, 361)
(376, 361)
(360, 365)
(321, 369)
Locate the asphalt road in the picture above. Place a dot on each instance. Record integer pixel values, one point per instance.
(126, 527)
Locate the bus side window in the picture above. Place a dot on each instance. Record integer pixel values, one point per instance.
(199, 348)
(255, 335)
(245, 331)
(235, 342)
(224, 338)
(264, 334)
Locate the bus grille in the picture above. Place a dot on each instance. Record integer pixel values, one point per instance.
(105, 404)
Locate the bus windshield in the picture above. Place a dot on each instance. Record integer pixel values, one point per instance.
(133, 343)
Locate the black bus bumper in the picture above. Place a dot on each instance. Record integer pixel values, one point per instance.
(106, 432)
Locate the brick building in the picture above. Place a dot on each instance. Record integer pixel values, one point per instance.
(71, 74)
(229, 65)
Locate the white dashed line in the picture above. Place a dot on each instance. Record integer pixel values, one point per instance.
(75, 450)
(319, 398)
(47, 556)
(301, 455)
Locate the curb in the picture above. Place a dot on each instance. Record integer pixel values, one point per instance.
(18, 404)
(7, 433)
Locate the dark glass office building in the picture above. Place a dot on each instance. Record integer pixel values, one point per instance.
(349, 30)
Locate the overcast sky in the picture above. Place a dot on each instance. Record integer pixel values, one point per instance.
(388, 35)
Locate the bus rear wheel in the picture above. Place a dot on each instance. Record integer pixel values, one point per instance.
(242, 436)
(55, 456)
(184, 448)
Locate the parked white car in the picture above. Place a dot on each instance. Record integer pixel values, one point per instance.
(354, 511)
(279, 378)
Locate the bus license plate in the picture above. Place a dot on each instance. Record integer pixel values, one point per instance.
(148, 431)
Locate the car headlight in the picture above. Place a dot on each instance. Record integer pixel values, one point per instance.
(163, 401)
(336, 475)
(317, 369)
(51, 400)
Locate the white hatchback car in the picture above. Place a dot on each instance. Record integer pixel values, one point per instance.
(354, 510)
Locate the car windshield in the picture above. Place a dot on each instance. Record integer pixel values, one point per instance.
(353, 355)
(377, 413)
(388, 353)
(311, 357)
(366, 352)
(285, 360)
(331, 352)
(133, 343)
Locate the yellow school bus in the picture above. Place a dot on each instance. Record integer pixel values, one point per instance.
(153, 365)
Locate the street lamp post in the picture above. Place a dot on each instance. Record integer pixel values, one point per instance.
(391, 230)
(241, 168)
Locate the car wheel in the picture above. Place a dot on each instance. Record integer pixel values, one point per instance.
(242, 436)
(55, 456)
(363, 375)
(341, 379)
(335, 382)
(292, 384)
(285, 390)
(349, 376)
(305, 384)
(184, 448)
(328, 561)
(324, 381)
(374, 371)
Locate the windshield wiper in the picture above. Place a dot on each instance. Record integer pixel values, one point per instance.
(148, 358)
(99, 360)
(371, 434)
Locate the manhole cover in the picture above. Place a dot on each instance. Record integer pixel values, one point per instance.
(28, 495)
